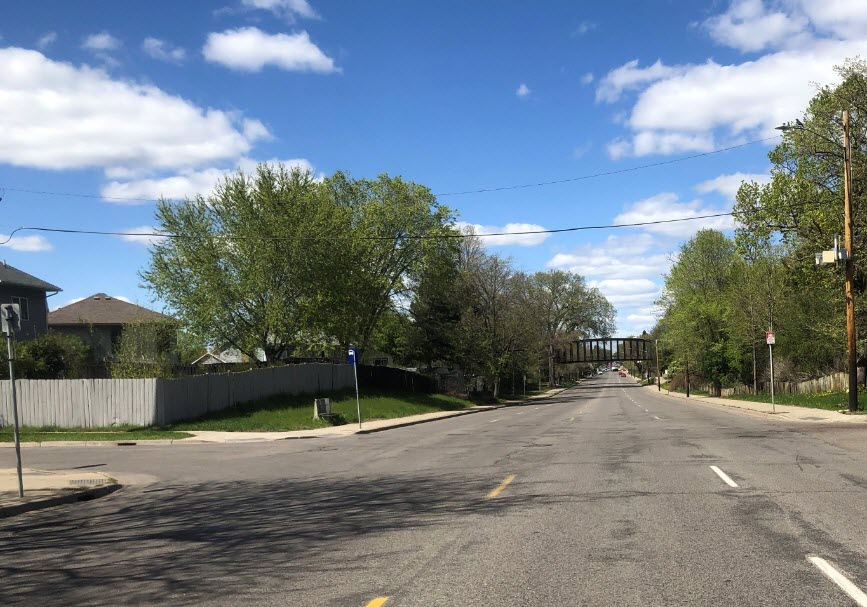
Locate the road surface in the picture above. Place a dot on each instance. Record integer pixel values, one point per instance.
(607, 494)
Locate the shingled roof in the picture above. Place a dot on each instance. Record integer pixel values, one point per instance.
(102, 309)
(14, 276)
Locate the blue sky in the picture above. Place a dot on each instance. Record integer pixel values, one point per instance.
(137, 100)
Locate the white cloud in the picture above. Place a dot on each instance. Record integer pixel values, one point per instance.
(101, 42)
(668, 206)
(508, 237)
(728, 185)
(250, 49)
(696, 107)
(59, 116)
(617, 257)
(46, 40)
(142, 235)
(29, 244)
(629, 77)
(587, 78)
(749, 26)
(581, 150)
(162, 50)
(122, 298)
(584, 27)
(625, 293)
(187, 184)
(523, 91)
(288, 9)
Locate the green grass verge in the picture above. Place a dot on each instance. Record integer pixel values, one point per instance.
(283, 413)
(832, 401)
(46, 434)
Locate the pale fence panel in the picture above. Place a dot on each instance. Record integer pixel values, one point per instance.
(836, 382)
(85, 403)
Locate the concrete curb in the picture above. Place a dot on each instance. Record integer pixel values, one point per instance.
(84, 495)
(424, 421)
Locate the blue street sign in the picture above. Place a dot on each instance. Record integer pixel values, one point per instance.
(352, 355)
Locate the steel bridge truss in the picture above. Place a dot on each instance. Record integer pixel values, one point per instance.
(606, 349)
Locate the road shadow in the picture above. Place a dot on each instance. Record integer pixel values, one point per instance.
(184, 545)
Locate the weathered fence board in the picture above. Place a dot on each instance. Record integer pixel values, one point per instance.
(90, 403)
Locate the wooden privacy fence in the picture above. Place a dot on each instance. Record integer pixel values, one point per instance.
(836, 382)
(91, 403)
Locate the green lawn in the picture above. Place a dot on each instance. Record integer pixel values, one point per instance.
(832, 401)
(41, 435)
(296, 412)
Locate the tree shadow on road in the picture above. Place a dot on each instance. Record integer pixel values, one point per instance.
(185, 545)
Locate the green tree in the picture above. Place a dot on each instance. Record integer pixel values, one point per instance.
(696, 306)
(51, 355)
(250, 265)
(145, 349)
(390, 228)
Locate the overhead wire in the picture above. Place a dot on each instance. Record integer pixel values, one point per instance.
(445, 194)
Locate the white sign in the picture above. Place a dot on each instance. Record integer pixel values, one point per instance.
(770, 339)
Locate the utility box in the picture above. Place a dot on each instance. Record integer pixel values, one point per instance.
(321, 407)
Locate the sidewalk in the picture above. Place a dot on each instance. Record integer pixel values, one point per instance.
(783, 412)
(44, 489)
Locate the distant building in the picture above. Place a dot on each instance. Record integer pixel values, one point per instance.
(30, 293)
(99, 321)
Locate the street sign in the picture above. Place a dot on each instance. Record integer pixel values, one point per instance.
(770, 339)
(353, 354)
(10, 316)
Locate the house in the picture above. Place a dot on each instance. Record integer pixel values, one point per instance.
(229, 356)
(30, 293)
(99, 321)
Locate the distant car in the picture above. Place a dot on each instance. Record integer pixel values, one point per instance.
(622, 374)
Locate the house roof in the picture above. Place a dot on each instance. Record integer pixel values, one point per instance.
(102, 309)
(14, 276)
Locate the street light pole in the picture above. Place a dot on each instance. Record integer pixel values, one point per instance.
(850, 265)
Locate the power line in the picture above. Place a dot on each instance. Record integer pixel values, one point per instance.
(455, 234)
(608, 173)
(479, 191)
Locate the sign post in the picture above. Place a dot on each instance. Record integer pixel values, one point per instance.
(11, 322)
(770, 338)
(353, 360)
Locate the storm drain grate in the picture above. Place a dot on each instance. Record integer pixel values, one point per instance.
(88, 482)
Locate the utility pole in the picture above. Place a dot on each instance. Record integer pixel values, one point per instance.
(687, 375)
(658, 378)
(850, 265)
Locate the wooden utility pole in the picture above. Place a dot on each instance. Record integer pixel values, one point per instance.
(850, 265)
(658, 378)
(687, 376)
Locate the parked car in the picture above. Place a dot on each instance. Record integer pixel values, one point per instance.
(622, 374)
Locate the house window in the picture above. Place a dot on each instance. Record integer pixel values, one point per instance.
(380, 362)
(23, 308)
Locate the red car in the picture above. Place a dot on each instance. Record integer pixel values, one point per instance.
(622, 374)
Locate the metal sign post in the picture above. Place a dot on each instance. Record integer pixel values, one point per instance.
(770, 338)
(11, 321)
(353, 360)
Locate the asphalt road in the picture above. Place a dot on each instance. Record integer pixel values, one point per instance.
(604, 495)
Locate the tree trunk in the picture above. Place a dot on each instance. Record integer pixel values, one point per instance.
(550, 365)
(755, 379)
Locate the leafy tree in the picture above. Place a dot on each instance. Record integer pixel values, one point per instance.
(696, 306)
(389, 231)
(51, 355)
(145, 349)
(250, 266)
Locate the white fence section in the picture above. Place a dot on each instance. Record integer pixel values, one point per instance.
(92, 403)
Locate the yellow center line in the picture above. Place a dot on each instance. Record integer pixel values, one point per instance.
(501, 486)
(378, 602)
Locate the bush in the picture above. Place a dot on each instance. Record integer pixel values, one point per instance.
(51, 355)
